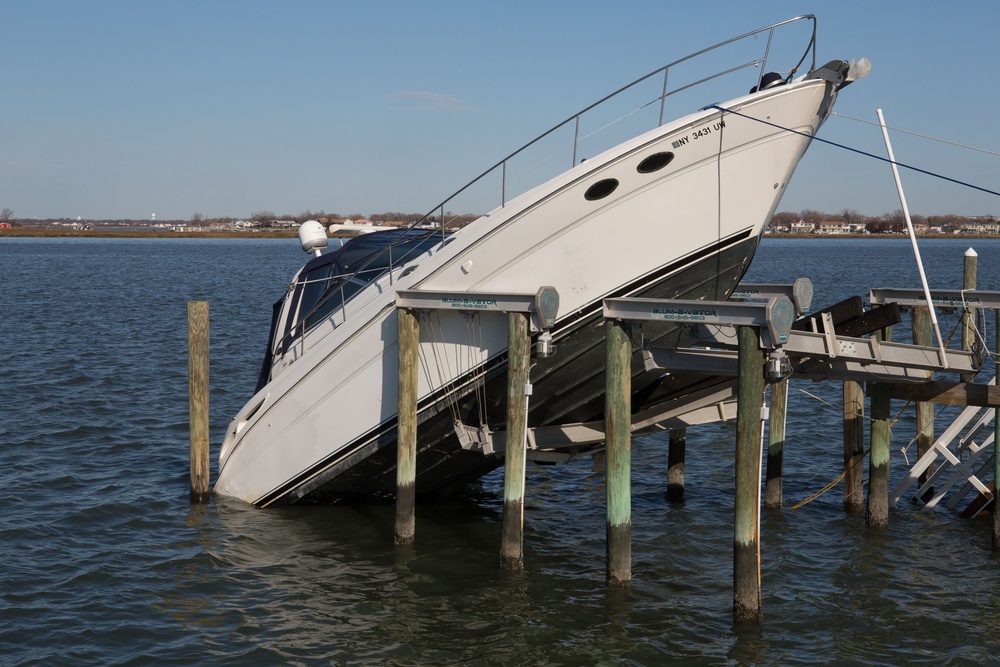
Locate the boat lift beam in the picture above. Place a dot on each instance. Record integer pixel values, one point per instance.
(773, 318)
(910, 298)
(800, 293)
(543, 305)
(819, 356)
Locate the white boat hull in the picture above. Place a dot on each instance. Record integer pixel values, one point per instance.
(324, 427)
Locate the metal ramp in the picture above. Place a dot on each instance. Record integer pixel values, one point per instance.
(959, 459)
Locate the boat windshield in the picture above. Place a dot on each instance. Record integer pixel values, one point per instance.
(328, 282)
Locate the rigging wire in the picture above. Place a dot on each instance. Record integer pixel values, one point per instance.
(917, 134)
(858, 151)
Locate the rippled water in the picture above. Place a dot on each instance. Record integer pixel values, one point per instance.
(106, 562)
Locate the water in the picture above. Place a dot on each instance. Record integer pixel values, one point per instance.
(106, 562)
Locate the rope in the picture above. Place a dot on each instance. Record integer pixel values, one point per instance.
(443, 380)
(479, 383)
(833, 483)
(892, 423)
(858, 151)
(917, 134)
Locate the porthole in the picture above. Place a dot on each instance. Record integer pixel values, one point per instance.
(601, 189)
(655, 162)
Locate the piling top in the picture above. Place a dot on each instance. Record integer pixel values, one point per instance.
(971, 253)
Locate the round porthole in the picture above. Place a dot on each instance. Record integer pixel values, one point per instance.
(655, 162)
(601, 189)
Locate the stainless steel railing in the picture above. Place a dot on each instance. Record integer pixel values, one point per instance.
(759, 61)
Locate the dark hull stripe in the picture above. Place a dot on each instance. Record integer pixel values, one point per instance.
(309, 479)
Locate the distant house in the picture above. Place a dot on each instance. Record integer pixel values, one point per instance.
(4, 225)
(802, 227)
(832, 228)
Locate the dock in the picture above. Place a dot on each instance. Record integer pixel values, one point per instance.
(747, 350)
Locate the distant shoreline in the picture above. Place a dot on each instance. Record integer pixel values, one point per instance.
(880, 236)
(158, 234)
(131, 233)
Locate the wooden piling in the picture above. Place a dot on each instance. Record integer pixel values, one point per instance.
(618, 434)
(923, 335)
(854, 446)
(675, 463)
(408, 327)
(197, 312)
(746, 535)
(969, 270)
(518, 364)
(996, 450)
(877, 507)
(776, 445)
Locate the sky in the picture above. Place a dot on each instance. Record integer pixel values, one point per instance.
(123, 110)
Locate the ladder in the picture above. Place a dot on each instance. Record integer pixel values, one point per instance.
(965, 461)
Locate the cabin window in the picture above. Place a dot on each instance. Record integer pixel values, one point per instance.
(353, 269)
(655, 162)
(314, 285)
(601, 189)
(339, 293)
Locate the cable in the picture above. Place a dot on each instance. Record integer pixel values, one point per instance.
(859, 151)
(917, 134)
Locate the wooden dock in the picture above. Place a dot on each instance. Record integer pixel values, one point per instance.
(764, 337)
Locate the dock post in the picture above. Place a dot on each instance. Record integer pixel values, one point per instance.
(922, 335)
(408, 327)
(197, 312)
(996, 452)
(518, 364)
(618, 463)
(746, 534)
(969, 271)
(776, 445)
(854, 447)
(675, 463)
(877, 508)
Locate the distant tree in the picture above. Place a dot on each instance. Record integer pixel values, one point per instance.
(895, 222)
(851, 217)
(197, 218)
(262, 216)
(6, 214)
(784, 219)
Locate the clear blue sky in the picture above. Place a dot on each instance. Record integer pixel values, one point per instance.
(224, 108)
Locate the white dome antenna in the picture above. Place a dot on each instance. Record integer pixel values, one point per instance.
(312, 236)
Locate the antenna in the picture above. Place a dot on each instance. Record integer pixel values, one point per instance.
(913, 239)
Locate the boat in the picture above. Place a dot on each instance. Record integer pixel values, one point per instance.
(355, 228)
(675, 210)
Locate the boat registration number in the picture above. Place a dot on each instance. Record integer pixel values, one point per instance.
(698, 134)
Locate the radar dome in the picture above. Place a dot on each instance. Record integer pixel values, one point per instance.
(312, 236)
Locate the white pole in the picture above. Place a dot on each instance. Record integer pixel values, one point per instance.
(913, 239)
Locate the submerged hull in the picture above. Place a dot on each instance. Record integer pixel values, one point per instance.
(629, 222)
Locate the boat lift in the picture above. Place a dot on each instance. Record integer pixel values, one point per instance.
(799, 345)
(956, 456)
